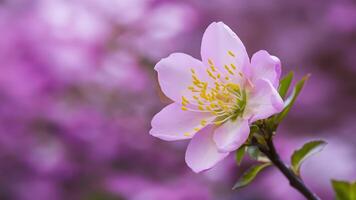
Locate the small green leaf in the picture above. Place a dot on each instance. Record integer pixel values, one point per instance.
(285, 83)
(291, 99)
(248, 176)
(344, 190)
(240, 153)
(303, 153)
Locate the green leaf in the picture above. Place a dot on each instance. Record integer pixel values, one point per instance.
(344, 190)
(240, 153)
(248, 176)
(291, 99)
(303, 153)
(285, 83)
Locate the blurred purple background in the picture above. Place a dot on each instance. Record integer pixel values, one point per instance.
(78, 91)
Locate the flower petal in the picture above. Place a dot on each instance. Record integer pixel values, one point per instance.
(263, 101)
(202, 153)
(263, 65)
(231, 135)
(218, 41)
(172, 123)
(175, 76)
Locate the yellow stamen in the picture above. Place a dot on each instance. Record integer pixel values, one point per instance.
(231, 53)
(203, 122)
(229, 70)
(210, 74)
(210, 62)
(213, 68)
(185, 99)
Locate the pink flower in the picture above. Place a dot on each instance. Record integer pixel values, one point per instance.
(216, 99)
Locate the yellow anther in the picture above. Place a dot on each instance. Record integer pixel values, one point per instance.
(233, 66)
(217, 87)
(191, 87)
(184, 108)
(210, 74)
(197, 129)
(197, 84)
(227, 78)
(202, 95)
(184, 103)
(212, 68)
(185, 99)
(231, 53)
(228, 69)
(200, 107)
(195, 78)
(213, 97)
(209, 97)
(187, 134)
(192, 70)
(210, 62)
(195, 97)
(218, 75)
(203, 122)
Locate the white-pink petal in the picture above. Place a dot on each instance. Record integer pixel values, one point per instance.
(202, 153)
(265, 66)
(263, 101)
(175, 76)
(172, 123)
(231, 135)
(218, 41)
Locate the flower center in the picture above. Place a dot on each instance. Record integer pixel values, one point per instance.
(219, 96)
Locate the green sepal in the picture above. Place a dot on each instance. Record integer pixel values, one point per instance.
(344, 190)
(240, 153)
(285, 83)
(291, 99)
(307, 150)
(249, 175)
(256, 154)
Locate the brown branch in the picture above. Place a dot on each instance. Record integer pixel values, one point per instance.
(295, 181)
